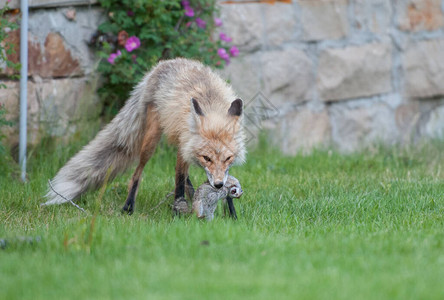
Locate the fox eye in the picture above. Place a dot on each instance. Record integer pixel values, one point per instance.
(228, 158)
(207, 158)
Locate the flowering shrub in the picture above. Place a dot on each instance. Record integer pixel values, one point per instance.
(6, 48)
(139, 33)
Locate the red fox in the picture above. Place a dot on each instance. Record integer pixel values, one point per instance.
(181, 98)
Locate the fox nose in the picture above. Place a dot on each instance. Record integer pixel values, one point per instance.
(218, 185)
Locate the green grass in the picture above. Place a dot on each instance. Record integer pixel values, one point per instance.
(323, 226)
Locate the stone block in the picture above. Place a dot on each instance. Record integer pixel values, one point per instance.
(423, 66)
(352, 72)
(434, 128)
(302, 131)
(51, 60)
(354, 128)
(373, 16)
(48, 3)
(244, 73)
(417, 15)
(407, 118)
(10, 99)
(58, 46)
(323, 19)
(54, 106)
(287, 76)
(280, 23)
(244, 23)
(75, 34)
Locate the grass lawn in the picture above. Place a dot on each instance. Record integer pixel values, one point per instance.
(323, 226)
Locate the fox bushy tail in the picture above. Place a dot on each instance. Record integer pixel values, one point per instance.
(113, 150)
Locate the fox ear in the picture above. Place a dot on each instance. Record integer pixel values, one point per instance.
(196, 116)
(236, 108)
(196, 107)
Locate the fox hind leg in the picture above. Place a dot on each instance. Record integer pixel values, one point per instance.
(151, 138)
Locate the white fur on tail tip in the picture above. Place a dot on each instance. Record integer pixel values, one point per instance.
(67, 189)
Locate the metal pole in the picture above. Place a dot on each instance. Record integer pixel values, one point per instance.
(23, 86)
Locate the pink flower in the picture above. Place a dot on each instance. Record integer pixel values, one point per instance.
(188, 24)
(224, 55)
(112, 57)
(225, 37)
(217, 22)
(234, 51)
(201, 23)
(189, 12)
(222, 52)
(132, 43)
(185, 3)
(130, 13)
(133, 57)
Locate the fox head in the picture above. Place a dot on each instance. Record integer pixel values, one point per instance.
(217, 140)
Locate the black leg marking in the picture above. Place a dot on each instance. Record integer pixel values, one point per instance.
(179, 192)
(180, 203)
(130, 202)
(189, 189)
(231, 207)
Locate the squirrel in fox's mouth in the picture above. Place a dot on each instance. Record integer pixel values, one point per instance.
(206, 198)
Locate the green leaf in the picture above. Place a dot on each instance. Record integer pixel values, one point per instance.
(161, 27)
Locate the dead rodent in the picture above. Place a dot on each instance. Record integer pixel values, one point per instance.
(206, 197)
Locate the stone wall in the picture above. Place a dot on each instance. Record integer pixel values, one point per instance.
(342, 73)
(62, 81)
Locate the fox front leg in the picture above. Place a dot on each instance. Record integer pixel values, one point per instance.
(180, 204)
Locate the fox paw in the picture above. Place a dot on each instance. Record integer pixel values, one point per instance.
(128, 208)
(180, 206)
